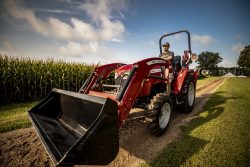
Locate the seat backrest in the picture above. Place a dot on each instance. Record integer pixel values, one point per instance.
(177, 63)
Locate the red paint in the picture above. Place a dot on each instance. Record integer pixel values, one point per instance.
(140, 84)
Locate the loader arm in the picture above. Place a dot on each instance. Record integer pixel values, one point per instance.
(129, 92)
(99, 73)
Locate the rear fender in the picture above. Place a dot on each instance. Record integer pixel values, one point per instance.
(195, 75)
(178, 83)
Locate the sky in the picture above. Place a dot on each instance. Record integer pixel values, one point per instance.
(89, 31)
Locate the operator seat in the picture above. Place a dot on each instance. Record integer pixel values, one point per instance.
(177, 63)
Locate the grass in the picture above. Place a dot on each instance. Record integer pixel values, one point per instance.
(15, 116)
(205, 80)
(219, 135)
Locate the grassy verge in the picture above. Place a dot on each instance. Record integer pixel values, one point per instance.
(218, 136)
(15, 116)
(206, 80)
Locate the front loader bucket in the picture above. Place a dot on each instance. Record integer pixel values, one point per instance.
(77, 128)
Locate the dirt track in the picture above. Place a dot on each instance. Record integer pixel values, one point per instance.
(23, 148)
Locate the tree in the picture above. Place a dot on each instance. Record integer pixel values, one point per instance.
(244, 59)
(208, 60)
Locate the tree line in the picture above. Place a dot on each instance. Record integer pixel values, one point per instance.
(209, 61)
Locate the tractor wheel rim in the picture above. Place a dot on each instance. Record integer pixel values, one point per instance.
(191, 94)
(164, 115)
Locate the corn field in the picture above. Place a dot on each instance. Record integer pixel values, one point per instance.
(26, 80)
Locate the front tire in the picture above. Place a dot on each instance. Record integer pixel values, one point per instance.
(161, 109)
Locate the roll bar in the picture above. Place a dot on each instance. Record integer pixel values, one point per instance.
(165, 35)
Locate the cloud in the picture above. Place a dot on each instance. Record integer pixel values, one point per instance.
(59, 29)
(88, 52)
(111, 29)
(102, 27)
(227, 63)
(100, 12)
(17, 9)
(70, 2)
(96, 8)
(56, 11)
(203, 39)
(77, 49)
(7, 44)
(117, 40)
(8, 47)
(238, 36)
(84, 30)
(152, 43)
(177, 36)
(121, 15)
(237, 48)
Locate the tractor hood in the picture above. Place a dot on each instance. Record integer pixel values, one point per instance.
(123, 69)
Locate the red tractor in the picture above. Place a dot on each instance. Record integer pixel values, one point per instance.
(83, 127)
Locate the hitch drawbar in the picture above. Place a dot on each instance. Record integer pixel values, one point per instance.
(77, 129)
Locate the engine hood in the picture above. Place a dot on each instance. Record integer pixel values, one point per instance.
(122, 69)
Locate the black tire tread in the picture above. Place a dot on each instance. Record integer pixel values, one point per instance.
(155, 106)
(185, 106)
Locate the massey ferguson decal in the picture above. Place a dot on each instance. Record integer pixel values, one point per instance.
(156, 62)
(157, 70)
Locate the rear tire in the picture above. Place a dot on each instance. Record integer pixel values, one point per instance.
(188, 94)
(161, 109)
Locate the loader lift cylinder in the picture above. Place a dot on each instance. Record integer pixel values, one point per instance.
(124, 88)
